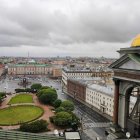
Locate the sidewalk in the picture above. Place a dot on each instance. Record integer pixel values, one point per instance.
(91, 107)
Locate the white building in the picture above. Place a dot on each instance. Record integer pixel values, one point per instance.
(100, 97)
(83, 74)
(68, 74)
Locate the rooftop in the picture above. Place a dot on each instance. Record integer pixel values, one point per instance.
(108, 89)
(87, 80)
(85, 70)
(24, 65)
(16, 135)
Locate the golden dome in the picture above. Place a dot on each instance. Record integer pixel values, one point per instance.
(136, 41)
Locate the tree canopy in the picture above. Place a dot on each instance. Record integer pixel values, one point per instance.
(57, 103)
(62, 119)
(36, 86)
(34, 127)
(47, 96)
(68, 105)
(59, 109)
(2, 95)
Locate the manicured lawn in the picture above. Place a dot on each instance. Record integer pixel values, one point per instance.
(21, 98)
(19, 114)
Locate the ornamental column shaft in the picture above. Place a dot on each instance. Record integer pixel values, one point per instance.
(116, 102)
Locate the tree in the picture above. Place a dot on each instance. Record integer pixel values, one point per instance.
(2, 96)
(75, 122)
(62, 119)
(47, 96)
(17, 90)
(40, 92)
(44, 87)
(60, 109)
(57, 103)
(36, 126)
(36, 86)
(68, 105)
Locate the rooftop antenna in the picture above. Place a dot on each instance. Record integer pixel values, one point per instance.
(28, 55)
(27, 58)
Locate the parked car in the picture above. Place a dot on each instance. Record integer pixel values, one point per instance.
(61, 134)
(56, 133)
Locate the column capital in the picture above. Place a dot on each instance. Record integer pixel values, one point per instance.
(116, 81)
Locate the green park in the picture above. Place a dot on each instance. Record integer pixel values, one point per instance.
(21, 98)
(19, 114)
(24, 109)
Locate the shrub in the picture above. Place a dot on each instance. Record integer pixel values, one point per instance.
(75, 122)
(68, 105)
(47, 96)
(44, 87)
(36, 86)
(57, 103)
(2, 96)
(59, 109)
(62, 119)
(34, 127)
(20, 90)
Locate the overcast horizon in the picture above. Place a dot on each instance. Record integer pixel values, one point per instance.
(46, 28)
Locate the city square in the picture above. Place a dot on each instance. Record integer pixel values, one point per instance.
(69, 70)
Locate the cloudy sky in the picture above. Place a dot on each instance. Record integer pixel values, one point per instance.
(67, 27)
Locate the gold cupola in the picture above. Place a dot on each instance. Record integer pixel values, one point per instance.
(136, 41)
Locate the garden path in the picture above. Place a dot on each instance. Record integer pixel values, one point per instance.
(47, 112)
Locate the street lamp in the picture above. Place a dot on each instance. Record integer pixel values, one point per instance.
(5, 89)
(75, 95)
(128, 135)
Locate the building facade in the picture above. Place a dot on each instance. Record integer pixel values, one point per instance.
(100, 97)
(94, 94)
(84, 74)
(76, 90)
(1, 69)
(57, 72)
(29, 69)
(127, 86)
(97, 96)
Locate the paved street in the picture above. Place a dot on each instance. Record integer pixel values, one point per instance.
(93, 124)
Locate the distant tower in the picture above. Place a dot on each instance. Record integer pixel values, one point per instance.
(28, 56)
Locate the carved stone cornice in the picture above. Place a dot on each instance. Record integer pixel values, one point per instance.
(127, 75)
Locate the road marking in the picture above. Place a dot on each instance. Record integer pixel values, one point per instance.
(92, 125)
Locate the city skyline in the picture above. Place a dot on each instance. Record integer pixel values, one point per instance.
(67, 28)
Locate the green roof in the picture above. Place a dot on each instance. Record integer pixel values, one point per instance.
(135, 57)
(16, 135)
(37, 65)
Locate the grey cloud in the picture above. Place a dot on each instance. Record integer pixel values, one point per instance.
(68, 22)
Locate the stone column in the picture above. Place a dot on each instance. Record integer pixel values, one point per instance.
(116, 101)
